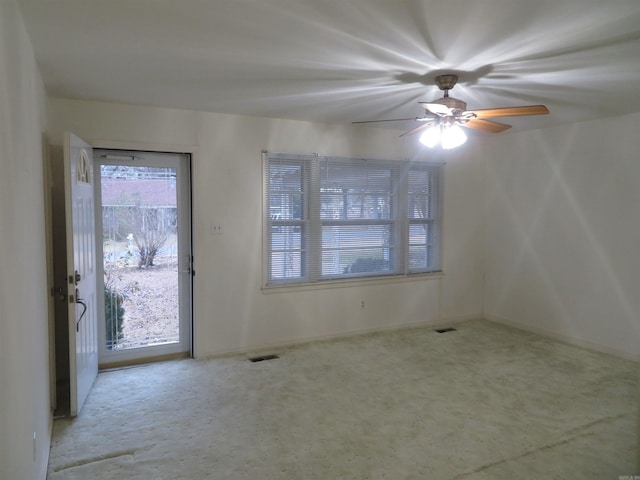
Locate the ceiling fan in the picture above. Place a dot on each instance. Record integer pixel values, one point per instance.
(445, 116)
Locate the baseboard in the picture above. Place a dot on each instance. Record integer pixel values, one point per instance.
(462, 318)
(577, 342)
(255, 349)
(258, 349)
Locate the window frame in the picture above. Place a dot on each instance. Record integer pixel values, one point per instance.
(311, 223)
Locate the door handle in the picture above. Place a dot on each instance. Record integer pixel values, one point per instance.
(84, 310)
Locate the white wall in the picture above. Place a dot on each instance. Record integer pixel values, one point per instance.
(563, 232)
(463, 233)
(24, 346)
(232, 313)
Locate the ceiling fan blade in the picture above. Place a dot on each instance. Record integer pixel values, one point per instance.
(487, 125)
(510, 111)
(417, 129)
(437, 108)
(388, 120)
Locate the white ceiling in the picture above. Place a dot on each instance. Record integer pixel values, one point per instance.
(337, 61)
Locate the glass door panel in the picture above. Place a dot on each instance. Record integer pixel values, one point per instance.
(146, 254)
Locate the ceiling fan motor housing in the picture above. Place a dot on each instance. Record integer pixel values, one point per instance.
(457, 106)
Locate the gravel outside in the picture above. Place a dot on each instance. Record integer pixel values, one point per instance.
(151, 303)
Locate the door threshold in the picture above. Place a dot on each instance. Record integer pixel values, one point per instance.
(105, 367)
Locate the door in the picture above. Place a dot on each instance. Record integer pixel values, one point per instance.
(144, 219)
(81, 269)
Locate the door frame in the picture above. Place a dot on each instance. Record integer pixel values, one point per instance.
(194, 154)
(108, 358)
(51, 279)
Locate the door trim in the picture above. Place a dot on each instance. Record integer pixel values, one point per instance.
(101, 144)
(51, 280)
(194, 151)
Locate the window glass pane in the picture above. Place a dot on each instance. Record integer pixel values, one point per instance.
(286, 190)
(286, 237)
(350, 191)
(419, 234)
(285, 177)
(420, 181)
(339, 175)
(286, 265)
(419, 207)
(420, 187)
(346, 206)
(360, 260)
(286, 251)
(285, 206)
(418, 257)
(356, 249)
(419, 247)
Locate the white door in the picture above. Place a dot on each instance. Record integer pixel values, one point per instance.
(81, 269)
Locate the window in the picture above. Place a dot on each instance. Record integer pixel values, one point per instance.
(334, 218)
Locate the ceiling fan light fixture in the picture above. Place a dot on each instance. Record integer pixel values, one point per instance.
(431, 136)
(452, 137)
(446, 135)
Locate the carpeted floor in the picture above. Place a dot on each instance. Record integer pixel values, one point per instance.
(483, 402)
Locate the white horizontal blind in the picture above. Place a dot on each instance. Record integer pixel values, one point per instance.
(423, 214)
(287, 178)
(358, 218)
(331, 218)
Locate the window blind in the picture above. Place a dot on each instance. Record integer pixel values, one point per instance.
(330, 218)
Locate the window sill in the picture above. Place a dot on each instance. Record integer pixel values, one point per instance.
(356, 282)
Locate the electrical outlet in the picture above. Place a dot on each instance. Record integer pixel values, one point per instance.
(216, 229)
(362, 304)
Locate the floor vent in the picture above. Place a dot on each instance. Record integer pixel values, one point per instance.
(445, 330)
(263, 358)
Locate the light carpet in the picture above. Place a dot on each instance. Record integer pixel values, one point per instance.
(483, 402)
